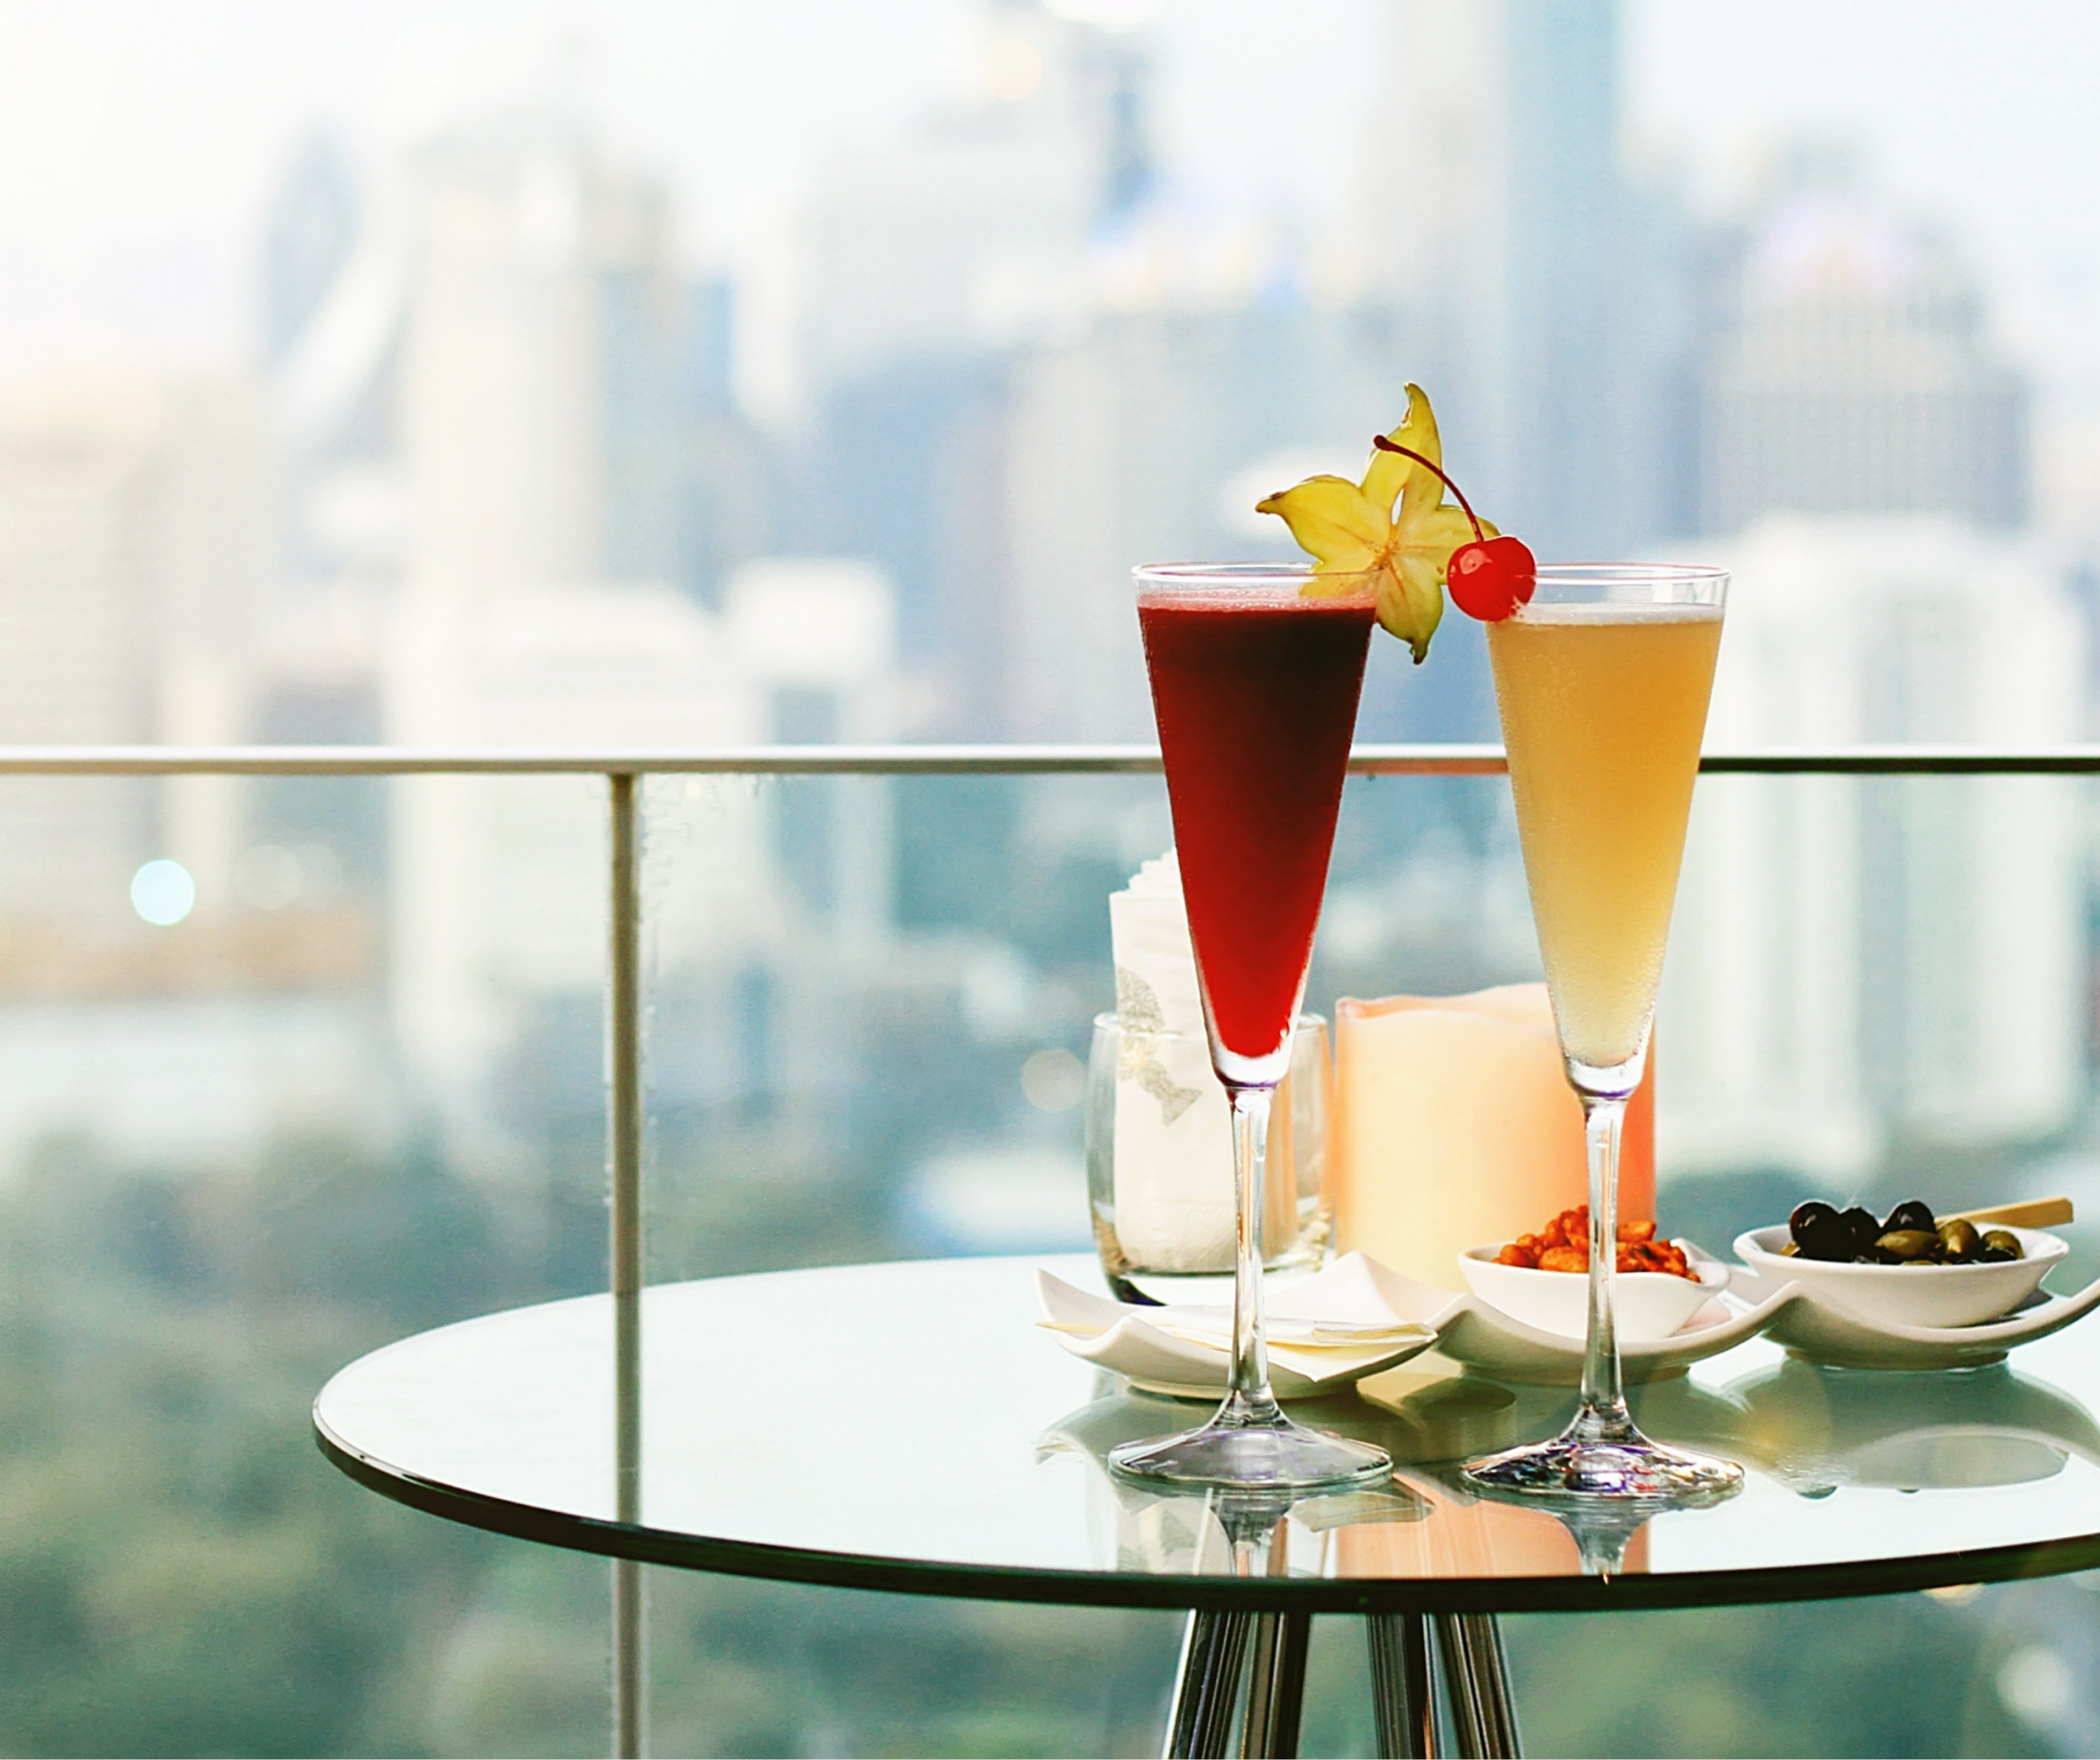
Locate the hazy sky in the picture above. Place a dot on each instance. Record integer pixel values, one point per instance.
(138, 138)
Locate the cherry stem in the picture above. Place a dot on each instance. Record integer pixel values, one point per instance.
(1384, 444)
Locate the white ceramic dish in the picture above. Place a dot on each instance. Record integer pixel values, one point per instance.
(1812, 1326)
(1902, 1295)
(1466, 1329)
(1481, 1336)
(1650, 1305)
(1134, 1342)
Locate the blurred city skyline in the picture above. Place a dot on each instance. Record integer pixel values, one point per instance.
(1064, 285)
(144, 141)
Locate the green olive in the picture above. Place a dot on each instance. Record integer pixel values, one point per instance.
(1960, 1238)
(1905, 1244)
(1930, 1264)
(2005, 1241)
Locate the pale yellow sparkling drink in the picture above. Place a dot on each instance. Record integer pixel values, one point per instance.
(1603, 680)
(1602, 708)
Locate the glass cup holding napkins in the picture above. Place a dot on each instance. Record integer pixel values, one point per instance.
(1159, 1144)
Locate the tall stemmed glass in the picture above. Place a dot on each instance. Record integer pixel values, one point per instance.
(1603, 680)
(1255, 685)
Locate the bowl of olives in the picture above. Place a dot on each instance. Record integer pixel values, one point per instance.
(1909, 1268)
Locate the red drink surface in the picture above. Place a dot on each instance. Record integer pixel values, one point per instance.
(1255, 696)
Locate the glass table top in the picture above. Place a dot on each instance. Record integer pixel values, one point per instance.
(909, 1427)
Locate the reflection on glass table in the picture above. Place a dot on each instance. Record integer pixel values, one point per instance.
(1857, 1482)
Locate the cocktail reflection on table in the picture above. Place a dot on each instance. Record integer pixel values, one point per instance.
(1254, 684)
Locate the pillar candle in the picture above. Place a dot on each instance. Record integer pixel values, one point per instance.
(1455, 1125)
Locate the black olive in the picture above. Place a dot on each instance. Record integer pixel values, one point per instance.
(1866, 1230)
(1913, 1215)
(1820, 1232)
(1807, 1215)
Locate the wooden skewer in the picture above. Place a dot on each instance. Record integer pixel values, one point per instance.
(2031, 1212)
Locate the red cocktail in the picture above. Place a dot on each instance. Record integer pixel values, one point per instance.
(1255, 685)
(1255, 699)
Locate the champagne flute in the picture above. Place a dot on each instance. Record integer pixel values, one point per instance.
(1255, 684)
(1603, 681)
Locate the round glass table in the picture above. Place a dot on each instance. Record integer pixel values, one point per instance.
(909, 1427)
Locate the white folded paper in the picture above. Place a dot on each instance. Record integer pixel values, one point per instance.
(1173, 1127)
(1327, 1329)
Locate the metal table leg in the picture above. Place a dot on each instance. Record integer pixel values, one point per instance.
(1401, 1703)
(1276, 1687)
(1476, 1684)
(1206, 1685)
(1270, 1649)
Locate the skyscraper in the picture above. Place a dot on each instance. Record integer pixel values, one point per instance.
(308, 236)
(1536, 290)
(968, 231)
(1149, 435)
(1857, 960)
(539, 367)
(928, 266)
(1851, 372)
(130, 559)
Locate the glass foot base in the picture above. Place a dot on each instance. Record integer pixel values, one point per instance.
(1627, 1468)
(1271, 1455)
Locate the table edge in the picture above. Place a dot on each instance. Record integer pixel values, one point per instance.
(1626, 1592)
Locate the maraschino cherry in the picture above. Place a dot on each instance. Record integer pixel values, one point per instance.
(1490, 577)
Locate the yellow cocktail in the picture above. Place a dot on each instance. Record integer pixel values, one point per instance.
(1602, 705)
(1603, 679)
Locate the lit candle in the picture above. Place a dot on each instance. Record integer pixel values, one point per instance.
(1455, 1125)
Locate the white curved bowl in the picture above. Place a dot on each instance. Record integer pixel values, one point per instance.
(1650, 1305)
(1937, 1296)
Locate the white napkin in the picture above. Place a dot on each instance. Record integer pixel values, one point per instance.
(1325, 1328)
(1173, 1127)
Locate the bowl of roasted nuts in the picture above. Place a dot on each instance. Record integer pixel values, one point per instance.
(1908, 1268)
(1542, 1279)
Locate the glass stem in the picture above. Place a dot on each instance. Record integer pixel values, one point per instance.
(1249, 1398)
(1602, 1397)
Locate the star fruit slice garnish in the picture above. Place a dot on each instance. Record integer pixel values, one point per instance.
(1394, 527)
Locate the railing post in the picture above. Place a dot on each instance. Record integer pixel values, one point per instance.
(623, 1101)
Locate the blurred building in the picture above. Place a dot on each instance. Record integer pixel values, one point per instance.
(132, 556)
(1849, 371)
(1860, 961)
(541, 337)
(1494, 251)
(524, 510)
(499, 884)
(310, 232)
(1544, 296)
(1149, 435)
(1028, 361)
(927, 264)
(969, 230)
(505, 380)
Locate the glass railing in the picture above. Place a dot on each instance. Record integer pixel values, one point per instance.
(432, 1012)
